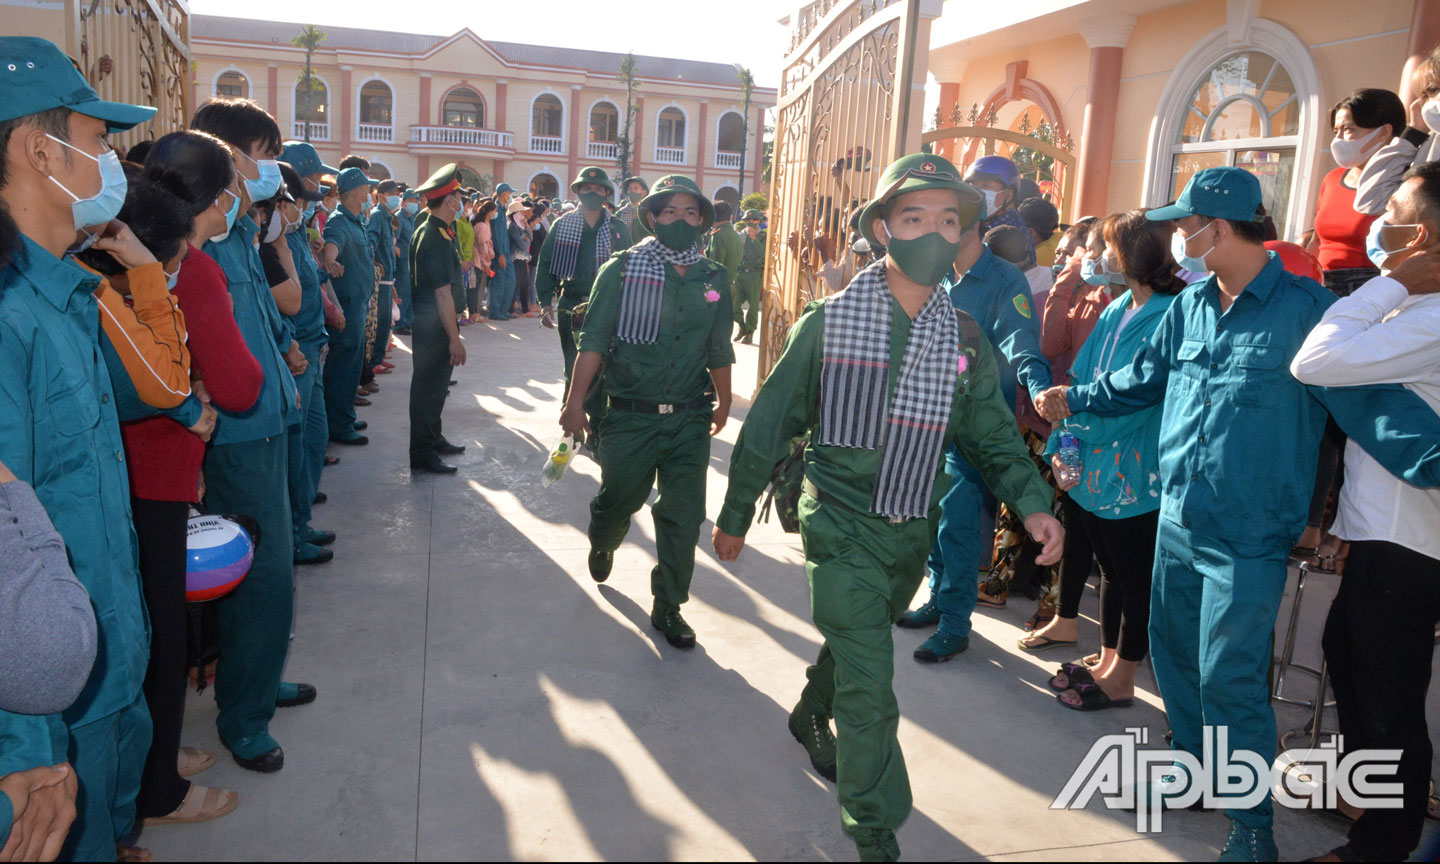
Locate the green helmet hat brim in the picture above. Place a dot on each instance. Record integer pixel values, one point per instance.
(672, 184)
(916, 173)
(592, 174)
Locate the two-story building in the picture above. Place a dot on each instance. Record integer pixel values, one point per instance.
(525, 114)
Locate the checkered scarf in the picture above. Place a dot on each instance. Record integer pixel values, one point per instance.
(628, 213)
(854, 388)
(568, 233)
(643, 288)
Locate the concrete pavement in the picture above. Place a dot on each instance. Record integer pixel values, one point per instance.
(481, 698)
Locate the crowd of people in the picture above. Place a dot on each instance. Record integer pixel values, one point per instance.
(192, 325)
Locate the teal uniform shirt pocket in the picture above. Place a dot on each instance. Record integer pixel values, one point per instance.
(1258, 371)
(1192, 358)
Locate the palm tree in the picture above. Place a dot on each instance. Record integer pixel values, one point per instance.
(309, 39)
(747, 84)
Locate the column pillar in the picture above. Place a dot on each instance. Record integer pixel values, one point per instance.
(502, 97)
(425, 84)
(346, 126)
(700, 152)
(1424, 35)
(272, 100)
(756, 168)
(422, 172)
(1106, 37)
(576, 145)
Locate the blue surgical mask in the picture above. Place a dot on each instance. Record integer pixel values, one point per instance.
(309, 211)
(230, 216)
(264, 188)
(1377, 253)
(1091, 273)
(104, 205)
(172, 278)
(392, 203)
(1193, 263)
(412, 207)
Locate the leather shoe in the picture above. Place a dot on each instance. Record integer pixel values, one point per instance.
(445, 448)
(318, 537)
(353, 440)
(309, 553)
(321, 498)
(434, 466)
(453, 382)
(667, 620)
(362, 425)
(292, 694)
(601, 563)
(266, 762)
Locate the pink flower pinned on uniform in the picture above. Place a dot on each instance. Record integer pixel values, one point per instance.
(964, 363)
(712, 296)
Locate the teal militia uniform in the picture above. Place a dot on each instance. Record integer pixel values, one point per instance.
(380, 229)
(309, 439)
(575, 290)
(642, 447)
(403, 235)
(59, 432)
(246, 472)
(1239, 441)
(749, 284)
(434, 263)
(863, 568)
(353, 289)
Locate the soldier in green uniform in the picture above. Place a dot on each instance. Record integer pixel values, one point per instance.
(634, 189)
(574, 250)
(723, 244)
(892, 342)
(659, 316)
(434, 268)
(748, 283)
(352, 275)
(409, 210)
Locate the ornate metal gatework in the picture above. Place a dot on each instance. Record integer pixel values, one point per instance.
(1043, 153)
(135, 51)
(845, 112)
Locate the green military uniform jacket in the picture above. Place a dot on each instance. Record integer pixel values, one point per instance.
(694, 334)
(434, 261)
(577, 288)
(726, 249)
(753, 255)
(982, 425)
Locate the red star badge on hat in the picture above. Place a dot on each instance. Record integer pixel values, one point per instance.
(927, 167)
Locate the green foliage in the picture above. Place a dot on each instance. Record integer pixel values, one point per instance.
(755, 201)
(626, 139)
(309, 39)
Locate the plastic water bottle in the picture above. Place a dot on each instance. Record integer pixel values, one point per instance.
(1070, 463)
(558, 461)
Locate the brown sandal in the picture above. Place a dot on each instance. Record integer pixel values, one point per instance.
(193, 760)
(133, 854)
(201, 804)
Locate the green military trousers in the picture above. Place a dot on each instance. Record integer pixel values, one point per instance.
(748, 286)
(429, 382)
(250, 478)
(640, 451)
(863, 573)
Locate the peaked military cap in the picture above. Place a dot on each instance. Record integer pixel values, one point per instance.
(441, 183)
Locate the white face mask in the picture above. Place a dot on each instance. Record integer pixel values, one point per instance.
(1193, 263)
(1351, 152)
(1431, 113)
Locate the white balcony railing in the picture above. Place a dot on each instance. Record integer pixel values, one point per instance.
(546, 144)
(374, 133)
(727, 160)
(318, 131)
(670, 155)
(458, 136)
(602, 150)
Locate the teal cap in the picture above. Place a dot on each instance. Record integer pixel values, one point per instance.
(36, 76)
(304, 159)
(1220, 193)
(503, 188)
(351, 178)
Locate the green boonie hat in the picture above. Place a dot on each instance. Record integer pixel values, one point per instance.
(441, 183)
(669, 185)
(592, 174)
(1220, 193)
(36, 76)
(351, 178)
(753, 216)
(915, 173)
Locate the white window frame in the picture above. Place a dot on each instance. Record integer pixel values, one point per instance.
(329, 104)
(656, 137)
(484, 106)
(249, 81)
(723, 114)
(1174, 104)
(619, 117)
(394, 102)
(560, 189)
(564, 116)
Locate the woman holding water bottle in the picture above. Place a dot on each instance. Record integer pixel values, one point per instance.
(1109, 465)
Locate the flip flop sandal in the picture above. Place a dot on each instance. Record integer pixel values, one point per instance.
(362, 402)
(193, 760)
(1074, 674)
(989, 603)
(1037, 621)
(1092, 698)
(201, 804)
(1044, 643)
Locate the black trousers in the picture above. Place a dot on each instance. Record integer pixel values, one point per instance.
(160, 530)
(1126, 549)
(1379, 641)
(428, 383)
(1076, 561)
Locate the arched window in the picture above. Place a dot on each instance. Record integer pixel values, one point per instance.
(376, 103)
(312, 108)
(730, 138)
(604, 123)
(1254, 106)
(379, 170)
(544, 186)
(463, 109)
(671, 132)
(233, 84)
(546, 116)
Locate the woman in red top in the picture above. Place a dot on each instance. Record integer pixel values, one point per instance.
(194, 173)
(1364, 122)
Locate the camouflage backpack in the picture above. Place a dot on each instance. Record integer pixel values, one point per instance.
(788, 477)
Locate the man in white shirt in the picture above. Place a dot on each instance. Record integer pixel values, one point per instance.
(1379, 636)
